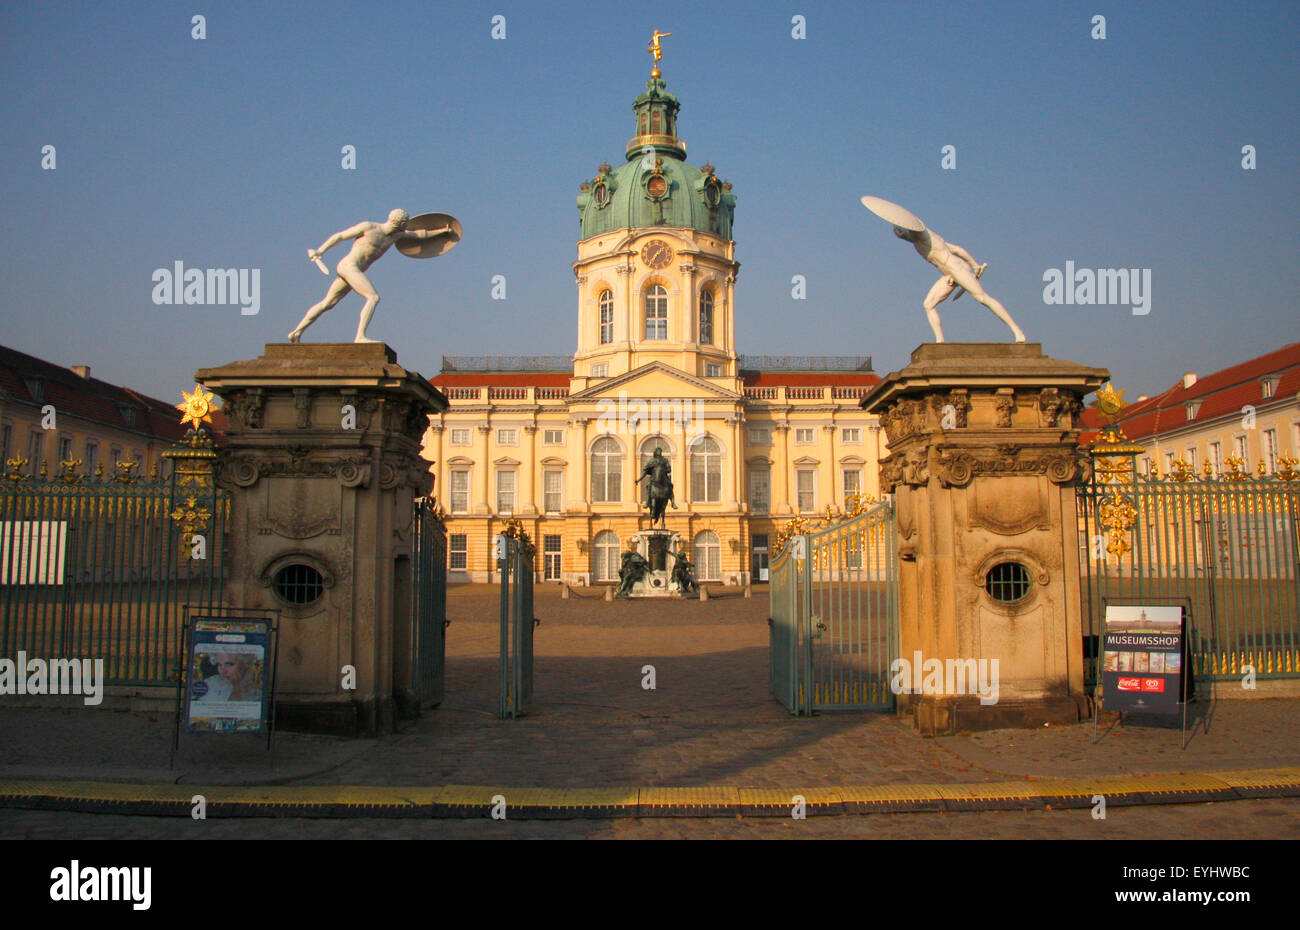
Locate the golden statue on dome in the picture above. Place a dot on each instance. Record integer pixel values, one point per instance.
(656, 50)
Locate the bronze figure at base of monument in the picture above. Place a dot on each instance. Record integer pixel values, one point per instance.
(983, 462)
(323, 465)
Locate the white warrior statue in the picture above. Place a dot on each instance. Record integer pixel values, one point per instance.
(960, 270)
(373, 240)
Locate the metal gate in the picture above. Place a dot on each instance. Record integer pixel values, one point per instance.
(834, 626)
(430, 605)
(103, 567)
(1228, 544)
(515, 562)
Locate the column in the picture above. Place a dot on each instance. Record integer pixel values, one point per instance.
(780, 475)
(528, 503)
(483, 505)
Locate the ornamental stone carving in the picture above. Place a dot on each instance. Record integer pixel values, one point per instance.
(302, 404)
(1058, 410)
(245, 408)
(242, 471)
(1004, 404)
(353, 472)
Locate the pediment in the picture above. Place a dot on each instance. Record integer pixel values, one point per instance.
(652, 381)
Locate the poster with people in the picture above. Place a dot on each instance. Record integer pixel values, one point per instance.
(227, 676)
(1142, 658)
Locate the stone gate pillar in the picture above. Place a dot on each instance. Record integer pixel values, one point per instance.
(983, 462)
(323, 463)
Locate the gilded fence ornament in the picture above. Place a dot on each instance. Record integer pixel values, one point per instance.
(1236, 469)
(1117, 516)
(190, 518)
(1287, 468)
(70, 475)
(16, 470)
(1182, 471)
(515, 530)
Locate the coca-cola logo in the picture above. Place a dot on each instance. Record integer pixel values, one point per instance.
(1130, 684)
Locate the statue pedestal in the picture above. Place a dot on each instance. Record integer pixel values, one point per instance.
(323, 464)
(983, 462)
(659, 548)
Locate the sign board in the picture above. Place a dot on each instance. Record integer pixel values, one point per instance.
(228, 675)
(1143, 655)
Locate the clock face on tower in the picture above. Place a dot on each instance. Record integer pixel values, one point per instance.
(657, 254)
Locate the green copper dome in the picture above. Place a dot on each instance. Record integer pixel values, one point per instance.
(655, 186)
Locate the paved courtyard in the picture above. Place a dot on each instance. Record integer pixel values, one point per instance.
(709, 722)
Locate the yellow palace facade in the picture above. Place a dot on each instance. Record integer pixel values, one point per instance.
(558, 443)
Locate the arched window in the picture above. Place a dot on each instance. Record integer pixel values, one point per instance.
(706, 471)
(708, 556)
(656, 312)
(706, 317)
(606, 316)
(606, 471)
(606, 556)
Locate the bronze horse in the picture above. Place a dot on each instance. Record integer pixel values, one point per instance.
(659, 490)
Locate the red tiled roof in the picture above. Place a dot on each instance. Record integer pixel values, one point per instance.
(1220, 393)
(88, 398)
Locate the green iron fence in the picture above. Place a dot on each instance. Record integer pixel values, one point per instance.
(1228, 545)
(515, 562)
(834, 625)
(430, 604)
(95, 568)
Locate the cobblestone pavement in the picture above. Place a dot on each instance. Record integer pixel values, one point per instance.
(1274, 818)
(709, 721)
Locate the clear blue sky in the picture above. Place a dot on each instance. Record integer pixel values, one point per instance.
(225, 152)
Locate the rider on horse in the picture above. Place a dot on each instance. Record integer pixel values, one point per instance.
(659, 490)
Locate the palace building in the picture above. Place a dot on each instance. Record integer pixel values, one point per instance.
(558, 442)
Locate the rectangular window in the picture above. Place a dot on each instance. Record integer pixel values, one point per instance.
(760, 490)
(115, 453)
(457, 551)
(1169, 462)
(65, 448)
(92, 457)
(1270, 385)
(600, 370)
(1191, 457)
(35, 449)
(506, 492)
(1270, 450)
(6, 442)
(460, 437)
(1240, 452)
(460, 491)
(803, 437)
(507, 437)
(760, 436)
(551, 557)
(552, 482)
(553, 437)
(807, 489)
(1216, 457)
(712, 370)
(851, 434)
(852, 483)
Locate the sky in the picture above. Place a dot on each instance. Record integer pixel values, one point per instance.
(227, 152)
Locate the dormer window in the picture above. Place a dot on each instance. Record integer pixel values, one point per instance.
(36, 388)
(1193, 408)
(1269, 386)
(128, 414)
